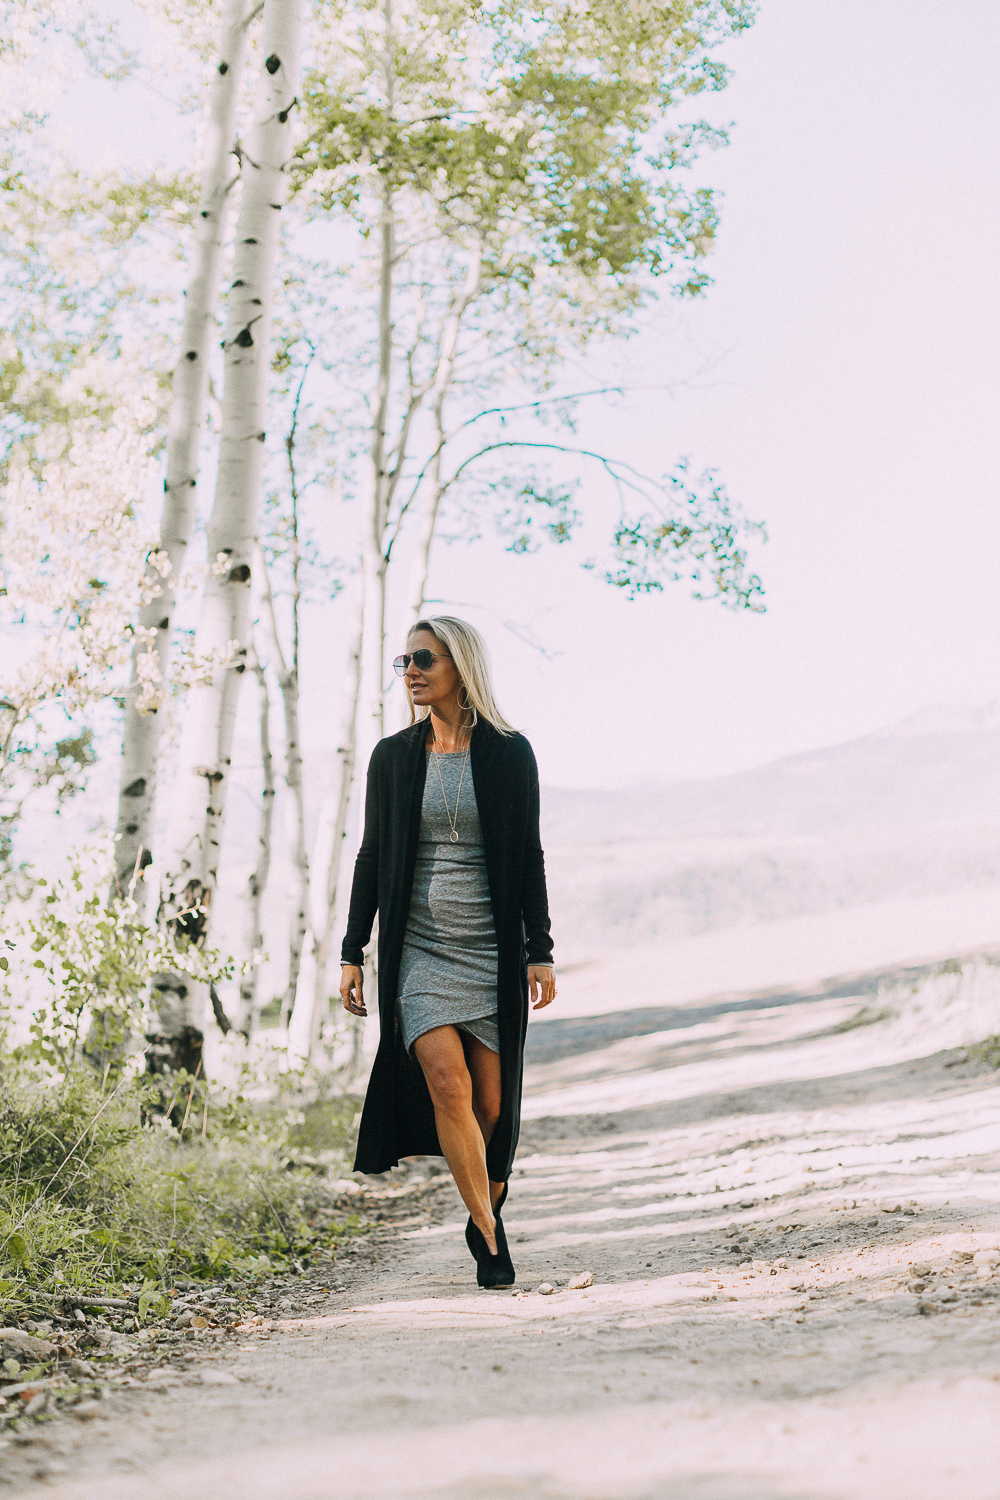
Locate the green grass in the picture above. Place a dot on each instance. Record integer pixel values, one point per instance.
(97, 1194)
(987, 1051)
(868, 1015)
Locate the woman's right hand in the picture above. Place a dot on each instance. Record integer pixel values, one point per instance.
(352, 993)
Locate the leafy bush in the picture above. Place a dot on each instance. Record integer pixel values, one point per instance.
(94, 960)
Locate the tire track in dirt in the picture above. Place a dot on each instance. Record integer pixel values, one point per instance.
(782, 1222)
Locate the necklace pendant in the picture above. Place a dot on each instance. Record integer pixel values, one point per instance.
(454, 835)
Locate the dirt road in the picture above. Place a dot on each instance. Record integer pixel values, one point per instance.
(780, 1213)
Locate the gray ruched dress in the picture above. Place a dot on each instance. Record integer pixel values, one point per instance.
(448, 969)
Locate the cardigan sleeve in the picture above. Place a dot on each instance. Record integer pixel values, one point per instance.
(534, 895)
(364, 889)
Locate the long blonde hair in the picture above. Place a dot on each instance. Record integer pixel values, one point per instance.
(468, 651)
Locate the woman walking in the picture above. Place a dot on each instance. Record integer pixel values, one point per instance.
(452, 863)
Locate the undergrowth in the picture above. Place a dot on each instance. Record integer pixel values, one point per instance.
(97, 1193)
(868, 1015)
(987, 1051)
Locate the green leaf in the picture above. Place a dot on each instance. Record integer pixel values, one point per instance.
(17, 1251)
(6, 1287)
(4, 963)
(149, 1291)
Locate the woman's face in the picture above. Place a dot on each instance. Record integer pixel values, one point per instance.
(440, 683)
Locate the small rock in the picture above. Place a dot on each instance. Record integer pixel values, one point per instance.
(916, 1286)
(844, 1203)
(36, 1403)
(948, 1297)
(346, 1188)
(80, 1368)
(218, 1377)
(986, 1259)
(86, 1411)
(199, 1322)
(184, 1320)
(900, 1304)
(584, 1279)
(921, 1270)
(781, 1265)
(890, 1206)
(24, 1346)
(546, 1289)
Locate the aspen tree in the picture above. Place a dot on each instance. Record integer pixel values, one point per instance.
(328, 873)
(443, 377)
(287, 673)
(223, 633)
(371, 726)
(257, 883)
(189, 390)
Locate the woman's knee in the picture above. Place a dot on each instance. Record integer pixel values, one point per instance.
(488, 1110)
(450, 1087)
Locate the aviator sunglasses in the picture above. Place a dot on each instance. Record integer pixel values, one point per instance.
(423, 660)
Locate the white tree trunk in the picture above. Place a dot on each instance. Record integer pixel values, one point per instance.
(443, 376)
(328, 860)
(189, 389)
(288, 682)
(223, 630)
(371, 721)
(257, 884)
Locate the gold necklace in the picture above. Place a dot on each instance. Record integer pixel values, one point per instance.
(453, 821)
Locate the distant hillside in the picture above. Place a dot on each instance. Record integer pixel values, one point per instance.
(935, 768)
(908, 813)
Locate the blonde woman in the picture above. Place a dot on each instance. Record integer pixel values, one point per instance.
(451, 861)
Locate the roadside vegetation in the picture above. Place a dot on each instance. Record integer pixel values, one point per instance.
(121, 1182)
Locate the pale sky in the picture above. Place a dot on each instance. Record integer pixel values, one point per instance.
(848, 396)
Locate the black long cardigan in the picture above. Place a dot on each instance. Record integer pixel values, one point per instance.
(398, 1117)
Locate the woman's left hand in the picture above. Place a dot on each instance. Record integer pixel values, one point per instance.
(541, 985)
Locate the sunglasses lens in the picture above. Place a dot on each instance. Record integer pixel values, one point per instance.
(400, 665)
(423, 660)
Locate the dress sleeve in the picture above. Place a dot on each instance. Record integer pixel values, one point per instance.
(364, 889)
(534, 895)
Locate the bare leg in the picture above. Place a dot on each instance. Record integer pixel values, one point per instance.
(484, 1069)
(442, 1057)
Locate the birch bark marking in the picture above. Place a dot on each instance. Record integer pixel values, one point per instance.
(189, 390)
(223, 633)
